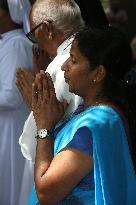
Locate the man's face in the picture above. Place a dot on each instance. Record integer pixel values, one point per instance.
(36, 32)
(42, 33)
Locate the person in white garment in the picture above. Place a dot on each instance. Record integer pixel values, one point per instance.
(54, 36)
(15, 51)
(65, 16)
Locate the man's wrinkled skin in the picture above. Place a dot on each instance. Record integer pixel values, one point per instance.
(24, 83)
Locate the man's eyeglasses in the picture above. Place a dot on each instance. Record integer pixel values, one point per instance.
(31, 34)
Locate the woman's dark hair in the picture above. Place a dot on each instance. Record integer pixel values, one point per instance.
(110, 48)
(93, 13)
(4, 5)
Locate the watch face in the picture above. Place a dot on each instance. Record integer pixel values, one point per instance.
(42, 133)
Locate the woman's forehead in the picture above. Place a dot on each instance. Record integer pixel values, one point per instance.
(74, 45)
(75, 51)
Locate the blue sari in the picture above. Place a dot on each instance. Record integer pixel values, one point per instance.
(114, 176)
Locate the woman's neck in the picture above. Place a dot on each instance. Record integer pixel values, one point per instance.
(93, 96)
(96, 101)
(102, 101)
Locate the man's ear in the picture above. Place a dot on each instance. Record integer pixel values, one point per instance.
(48, 27)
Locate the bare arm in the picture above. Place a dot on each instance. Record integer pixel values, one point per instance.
(55, 179)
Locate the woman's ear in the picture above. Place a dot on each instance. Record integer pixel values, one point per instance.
(99, 74)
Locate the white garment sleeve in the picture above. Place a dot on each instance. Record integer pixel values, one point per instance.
(27, 140)
(17, 55)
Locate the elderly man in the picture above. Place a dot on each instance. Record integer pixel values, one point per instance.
(69, 21)
(54, 34)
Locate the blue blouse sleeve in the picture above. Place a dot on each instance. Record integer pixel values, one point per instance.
(82, 141)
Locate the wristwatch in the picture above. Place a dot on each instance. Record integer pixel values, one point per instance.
(43, 133)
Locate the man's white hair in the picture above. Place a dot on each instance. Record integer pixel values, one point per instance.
(65, 14)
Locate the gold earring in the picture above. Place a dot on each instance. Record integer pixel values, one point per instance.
(93, 82)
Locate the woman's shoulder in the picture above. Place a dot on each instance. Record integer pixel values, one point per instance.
(102, 121)
(96, 118)
(99, 119)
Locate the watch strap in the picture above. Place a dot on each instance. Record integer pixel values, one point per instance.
(43, 133)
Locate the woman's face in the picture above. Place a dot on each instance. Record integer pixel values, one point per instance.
(77, 71)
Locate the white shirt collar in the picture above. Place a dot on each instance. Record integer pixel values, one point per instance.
(65, 45)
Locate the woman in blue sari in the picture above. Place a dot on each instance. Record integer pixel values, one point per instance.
(88, 159)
